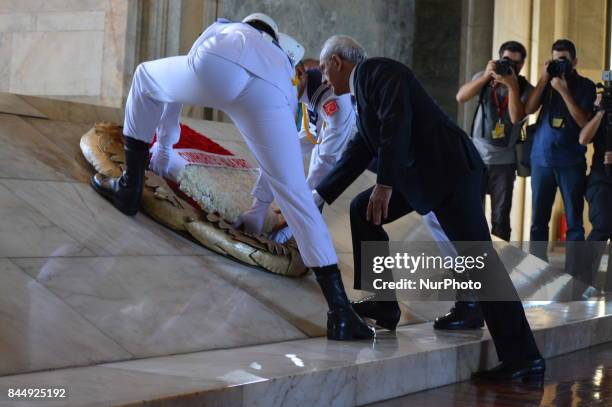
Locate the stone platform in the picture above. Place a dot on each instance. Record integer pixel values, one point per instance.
(98, 302)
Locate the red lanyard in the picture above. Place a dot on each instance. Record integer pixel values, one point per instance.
(501, 110)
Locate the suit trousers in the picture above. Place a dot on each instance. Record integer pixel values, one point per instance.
(599, 196)
(499, 184)
(462, 218)
(571, 181)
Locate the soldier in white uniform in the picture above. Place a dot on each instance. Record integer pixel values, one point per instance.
(328, 125)
(240, 69)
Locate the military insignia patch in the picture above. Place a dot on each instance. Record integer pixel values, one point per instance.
(330, 107)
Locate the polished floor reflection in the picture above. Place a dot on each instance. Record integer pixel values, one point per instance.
(582, 378)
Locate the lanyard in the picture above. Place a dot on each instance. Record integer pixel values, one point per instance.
(501, 109)
(306, 125)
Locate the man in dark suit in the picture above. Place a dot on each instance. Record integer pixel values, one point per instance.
(425, 162)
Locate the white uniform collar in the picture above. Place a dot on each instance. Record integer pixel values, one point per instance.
(351, 86)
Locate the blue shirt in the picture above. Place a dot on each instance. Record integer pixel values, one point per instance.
(559, 146)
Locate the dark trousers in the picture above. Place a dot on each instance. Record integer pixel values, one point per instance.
(499, 184)
(462, 218)
(571, 181)
(599, 196)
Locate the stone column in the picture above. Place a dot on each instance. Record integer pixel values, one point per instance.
(164, 28)
(437, 49)
(476, 45)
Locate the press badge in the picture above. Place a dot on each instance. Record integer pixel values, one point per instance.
(557, 122)
(498, 132)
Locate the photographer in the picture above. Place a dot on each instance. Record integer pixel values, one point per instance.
(599, 184)
(497, 125)
(557, 158)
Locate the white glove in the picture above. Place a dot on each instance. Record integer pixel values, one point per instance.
(165, 162)
(317, 198)
(253, 218)
(282, 236)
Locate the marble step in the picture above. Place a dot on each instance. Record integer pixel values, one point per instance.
(314, 372)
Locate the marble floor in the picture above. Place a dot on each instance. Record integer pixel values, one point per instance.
(312, 372)
(82, 285)
(582, 378)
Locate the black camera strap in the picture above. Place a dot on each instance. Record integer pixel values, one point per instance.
(480, 106)
(559, 109)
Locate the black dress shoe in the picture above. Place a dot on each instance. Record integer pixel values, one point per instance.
(386, 314)
(343, 323)
(125, 191)
(526, 371)
(464, 315)
(346, 325)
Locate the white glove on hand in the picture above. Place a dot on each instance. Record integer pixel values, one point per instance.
(282, 236)
(160, 159)
(253, 218)
(317, 198)
(164, 162)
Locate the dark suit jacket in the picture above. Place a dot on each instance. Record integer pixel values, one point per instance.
(418, 149)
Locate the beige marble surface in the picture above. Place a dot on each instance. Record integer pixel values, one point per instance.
(25, 232)
(96, 224)
(39, 329)
(67, 48)
(5, 63)
(70, 21)
(65, 135)
(57, 63)
(317, 372)
(27, 154)
(92, 110)
(15, 104)
(160, 305)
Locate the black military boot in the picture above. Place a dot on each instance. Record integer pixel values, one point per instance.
(343, 324)
(464, 315)
(125, 192)
(386, 314)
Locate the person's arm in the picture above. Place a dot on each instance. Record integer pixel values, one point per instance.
(261, 190)
(252, 220)
(590, 129)
(334, 137)
(516, 108)
(473, 87)
(389, 92)
(580, 116)
(351, 165)
(535, 98)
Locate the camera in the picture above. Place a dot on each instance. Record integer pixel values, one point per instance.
(606, 96)
(559, 67)
(606, 106)
(505, 66)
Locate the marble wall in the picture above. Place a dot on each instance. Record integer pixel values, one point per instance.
(87, 50)
(383, 28)
(72, 49)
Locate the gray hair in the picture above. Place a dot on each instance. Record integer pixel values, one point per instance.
(345, 47)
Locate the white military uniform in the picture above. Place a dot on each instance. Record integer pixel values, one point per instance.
(235, 68)
(447, 249)
(333, 127)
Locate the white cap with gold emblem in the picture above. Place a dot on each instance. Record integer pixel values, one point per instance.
(292, 48)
